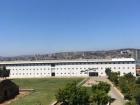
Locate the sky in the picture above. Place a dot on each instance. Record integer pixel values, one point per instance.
(47, 26)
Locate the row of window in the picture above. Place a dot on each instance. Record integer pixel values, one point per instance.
(72, 63)
(75, 68)
(50, 73)
(40, 73)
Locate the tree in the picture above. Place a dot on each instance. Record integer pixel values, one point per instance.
(100, 93)
(108, 71)
(102, 86)
(100, 97)
(129, 77)
(114, 77)
(73, 95)
(8, 90)
(137, 95)
(138, 80)
(4, 72)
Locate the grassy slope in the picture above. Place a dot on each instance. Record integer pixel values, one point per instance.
(45, 90)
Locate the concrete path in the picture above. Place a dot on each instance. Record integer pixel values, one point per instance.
(114, 92)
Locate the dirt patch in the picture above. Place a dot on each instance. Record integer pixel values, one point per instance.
(90, 82)
(21, 95)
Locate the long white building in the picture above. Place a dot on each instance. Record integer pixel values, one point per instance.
(69, 68)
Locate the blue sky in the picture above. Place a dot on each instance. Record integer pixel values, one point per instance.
(45, 26)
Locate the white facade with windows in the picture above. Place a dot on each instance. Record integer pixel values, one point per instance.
(69, 68)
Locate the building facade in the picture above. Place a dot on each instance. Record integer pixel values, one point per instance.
(69, 68)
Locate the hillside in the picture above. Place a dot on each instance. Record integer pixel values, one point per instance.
(105, 54)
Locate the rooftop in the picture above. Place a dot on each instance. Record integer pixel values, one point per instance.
(61, 61)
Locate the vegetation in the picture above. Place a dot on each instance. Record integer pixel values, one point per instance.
(128, 85)
(77, 95)
(45, 90)
(113, 76)
(138, 80)
(8, 90)
(100, 94)
(4, 72)
(73, 95)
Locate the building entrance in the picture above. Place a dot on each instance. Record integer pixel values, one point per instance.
(93, 74)
(53, 74)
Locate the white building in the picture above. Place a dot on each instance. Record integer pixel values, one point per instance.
(69, 68)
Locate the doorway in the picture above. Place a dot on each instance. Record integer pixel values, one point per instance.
(93, 74)
(53, 74)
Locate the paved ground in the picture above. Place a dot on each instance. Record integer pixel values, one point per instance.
(114, 93)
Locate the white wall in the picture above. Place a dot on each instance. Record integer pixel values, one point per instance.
(37, 71)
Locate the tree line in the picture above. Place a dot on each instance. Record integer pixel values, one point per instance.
(128, 84)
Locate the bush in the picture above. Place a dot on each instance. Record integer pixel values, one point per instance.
(8, 90)
(103, 86)
(138, 81)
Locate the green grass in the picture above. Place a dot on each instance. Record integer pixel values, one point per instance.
(45, 90)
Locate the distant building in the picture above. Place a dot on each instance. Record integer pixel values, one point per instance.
(69, 68)
(136, 54)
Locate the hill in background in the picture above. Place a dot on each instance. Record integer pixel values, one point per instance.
(105, 54)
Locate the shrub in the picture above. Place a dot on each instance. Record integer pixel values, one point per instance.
(8, 90)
